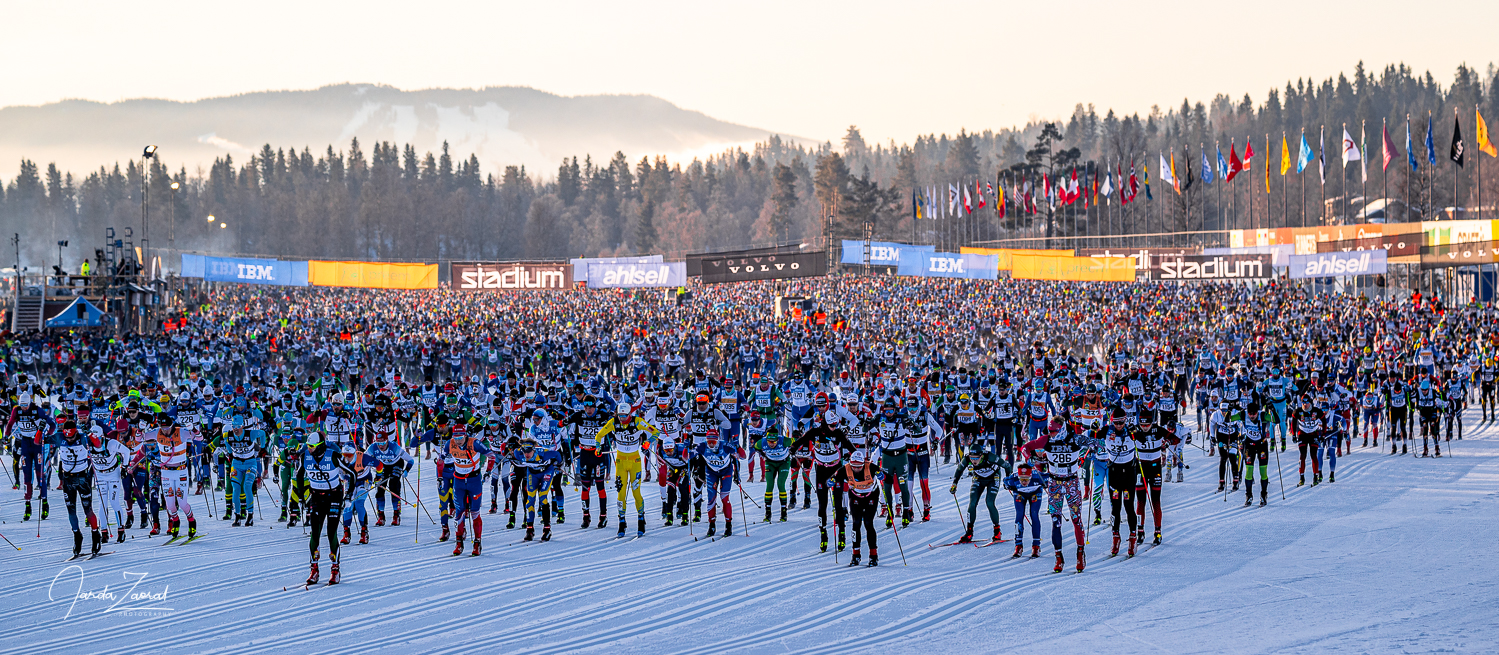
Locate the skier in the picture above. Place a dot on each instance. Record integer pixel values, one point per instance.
(76, 471)
(393, 462)
(1256, 431)
(830, 446)
(1062, 449)
(765, 438)
(109, 457)
(171, 453)
(358, 471)
(983, 466)
(721, 468)
(626, 434)
(862, 477)
(1119, 450)
(320, 469)
(1026, 485)
(245, 447)
(466, 454)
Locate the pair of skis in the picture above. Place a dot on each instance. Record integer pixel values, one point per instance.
(89, 556)
(975, 544)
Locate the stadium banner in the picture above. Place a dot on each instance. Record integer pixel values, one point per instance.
(580, 266)
(247, 271)
(477, 276)
(1460, 254)
(1336, 264)
(1309, 240)
(695, 260)
(1218, 267)
(1075, 269)
(917, 263)
(372, 275)
(1280, 255)
(632, 276)
(1146, 259)
(881, 253)
(1004, 256)
(765, 267)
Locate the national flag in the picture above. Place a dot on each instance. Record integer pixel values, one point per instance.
(983, 196)
(1168, 172)
(1186, 176)
(952, 199)
(1207, 167)
(1248, 153)
(1146, 169)
(1456, 151)
(1388, 145)
(1350, 149)
(1285, 155)
(999, 200)
(1108, 185)
(1134, 182)
(1363, 162)
(1234, 165)
(1073, 192)
(915, 206)
(1410, 153)
(1481, 136)
(1303, 157)
(1223, 172)
(1267, 159)
(1322, 154)
(1431, 147)
(967, 201)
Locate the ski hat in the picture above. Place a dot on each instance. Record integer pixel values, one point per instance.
(314, 438)
(239, 423)
(857, 457)
(347, 450)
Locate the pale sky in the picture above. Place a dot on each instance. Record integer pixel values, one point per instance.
(805, 68)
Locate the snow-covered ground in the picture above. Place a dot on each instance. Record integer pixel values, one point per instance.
(1396, 556)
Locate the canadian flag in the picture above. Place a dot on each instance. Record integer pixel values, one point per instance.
(978, 190)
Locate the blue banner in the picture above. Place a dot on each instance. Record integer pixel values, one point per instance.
(1335, 264)
(245, 271)
(580, 266)
(631, 276)
(918, 263)
(881, 253)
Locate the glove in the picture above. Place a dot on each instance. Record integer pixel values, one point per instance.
(953, 490)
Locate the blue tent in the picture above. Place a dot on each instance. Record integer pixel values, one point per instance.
(79, 313)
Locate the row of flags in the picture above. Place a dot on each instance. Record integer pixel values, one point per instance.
(1027, 193)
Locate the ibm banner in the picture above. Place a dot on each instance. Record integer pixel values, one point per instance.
(631, 276)
(881, 253)
(475, 276)
(247, 271)
(1217, 267)
(947, 264)
(580, 266)
(1334, 264)
(765, 267)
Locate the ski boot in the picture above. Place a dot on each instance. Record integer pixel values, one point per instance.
(926, 514)
(1221, 485)
(345, 540)
(640, 526)
(588, 519)
(443, 537)
(237, 521)
(192, 527)
(283, 515)
(728, 527)
(783, 513)
(250, 521)
(312, 577)
(1157, 540)
(45, 509)
(767, 514)
(1019, 548)
(1036, 550)
(155, 528)
(1131, 551)
(793, 495)
(379, 518)
(998, 534)
(874, 558)
(1060, 562)
(1236, 485)
(227, 515)
(1178, 475)
(510, 525)
(1332, 476)
(129, 519)
(1097, 519)
(333, 572)
(494, 508)
(458, 545)
(77, 544)
(889, 521)
(395, 517)
(27, 515)
(477, 549)
(530, 533)
(296, 516)
(621, 533)
(562, 516)
(806, 498)
(364, 534)
(1302, 483)
(1316, 479)
(1115, 549)
(1248, 498)
(546, 533)
(842, 545)
(666, 519)
(712, 527)
(906, 515)
(120, 536)
(967, 537)
(1081, 560)
(855, 561)
(823, 546)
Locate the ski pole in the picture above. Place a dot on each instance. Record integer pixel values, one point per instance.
(742, 498)
(897, 536)
(1278, 474)
(8, 541)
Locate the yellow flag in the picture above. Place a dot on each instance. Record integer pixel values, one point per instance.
(1267, 163)
(1484, 144)
(1175, 180)
(1285, 155)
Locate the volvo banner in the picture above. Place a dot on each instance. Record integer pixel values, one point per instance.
(919, 263)
(1216, 267)
(1460, 254)
(881, 253)
(476, 276)
(695, 260)
(1394, 245)
(765, 267)
(246, 271)
(580, 266)
(631, 276)
(1335, 264)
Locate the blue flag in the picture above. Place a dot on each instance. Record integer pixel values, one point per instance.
(1431, 148)
(1305, 156)
(1222, 165)
(1410, 153)
(1207, 167)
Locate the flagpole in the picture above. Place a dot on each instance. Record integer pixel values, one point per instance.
(1457, 172)
(1301, 173)
(1322, 173)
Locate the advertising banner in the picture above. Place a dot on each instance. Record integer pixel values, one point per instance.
(881, 253)
(372, 275)
(765, 267)
(695, 260)
(918, 263)
(1280, 255)
(476, 276)
(631, 276)
(580, 266)
(247, 271)
(1217, 267)
(1460, 254)
(1394, 245)
(1334, 264)
(1075, 269)
(1004, 256)
(1145, 258)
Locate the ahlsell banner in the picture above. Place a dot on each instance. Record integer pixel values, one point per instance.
(1216, 267)
(476, 276)
(631, 276)
(580, 266)
(1336, 264)
(765, 267)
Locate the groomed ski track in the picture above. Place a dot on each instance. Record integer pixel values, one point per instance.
(1396, 556)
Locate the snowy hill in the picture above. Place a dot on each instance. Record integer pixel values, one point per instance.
(1394, 556)
(502, 125)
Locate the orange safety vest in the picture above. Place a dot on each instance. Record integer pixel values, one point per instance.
(465, 457)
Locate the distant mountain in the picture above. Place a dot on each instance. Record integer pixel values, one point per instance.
(502, 125)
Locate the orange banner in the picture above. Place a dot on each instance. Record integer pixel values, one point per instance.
(1075, 269)
(372, 275)
(1006, 255)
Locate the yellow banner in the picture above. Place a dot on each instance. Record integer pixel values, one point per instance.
(372, 275)
(1005, 255)
(1075, 269)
